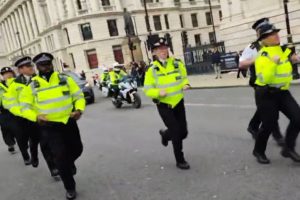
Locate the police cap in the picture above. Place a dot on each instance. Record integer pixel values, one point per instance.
(23, 61)
(159, 42)
(265, 30)
(260, 22)
(43, 58)
(6, 69)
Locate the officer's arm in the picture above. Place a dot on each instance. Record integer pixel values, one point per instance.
(265, 68)
(77, 95)
(182, 68)
(10, 100)
(247, 58)
(149, 84)
(27, 104)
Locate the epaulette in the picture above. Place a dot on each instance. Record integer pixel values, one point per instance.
(35, 84)
(178, 60)
(20, 79)
(62, 78)
(264, 53)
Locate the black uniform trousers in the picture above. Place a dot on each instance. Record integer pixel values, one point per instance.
(13, 129)
(8, 136)
(269, 102)
(256, 121)
(65, 145)
(175, 121)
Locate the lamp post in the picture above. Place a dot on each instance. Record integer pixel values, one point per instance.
(212, 20)
(19, 40)
(147, 18)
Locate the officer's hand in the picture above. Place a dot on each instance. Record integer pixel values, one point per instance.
(186, 87)
(295, 58)
(41, 119)
(162, 93)
(76, 115)
(276, 59)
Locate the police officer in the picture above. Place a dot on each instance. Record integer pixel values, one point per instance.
(246, 61)
(55, 101)
(115, 76)
(30, 129)
(11, 122)
(7, 134)
(274, 73)
(165, 81)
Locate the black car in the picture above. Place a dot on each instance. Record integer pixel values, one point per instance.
(84, 86)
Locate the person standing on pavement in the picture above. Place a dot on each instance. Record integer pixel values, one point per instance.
(216, 62)
(165, 81)
(246, 61)
(273, 68)
(31, 133)
(7, 134)
(237, 60)
(56, 102)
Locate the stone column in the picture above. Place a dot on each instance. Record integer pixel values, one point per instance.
(10, 32)
(95, 5)
(118, 5)
(70, 8)
(14, 30)
(60, 8)
(35, 22)
(25, 14)
(52, 10)
(19, 27)
(23, 24)
(10, 42)
(4, 36)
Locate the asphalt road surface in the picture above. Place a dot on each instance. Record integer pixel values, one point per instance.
(123, 158)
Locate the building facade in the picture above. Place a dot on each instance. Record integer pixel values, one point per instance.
(239, 15)
(86, 34)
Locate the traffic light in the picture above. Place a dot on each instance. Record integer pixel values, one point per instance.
(169, 41)
(184, 38)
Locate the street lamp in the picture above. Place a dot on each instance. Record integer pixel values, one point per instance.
(212, 20)
(19, 39)
(147, 18)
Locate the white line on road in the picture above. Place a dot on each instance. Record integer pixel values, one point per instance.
(220, 105)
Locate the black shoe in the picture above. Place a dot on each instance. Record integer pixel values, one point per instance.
(183, 165)
(27, 161)
(35, 163)
(71, 194)
(11, 149)
(253, 132)
(280, 141)
(54, 172)
(261, 158)
(164, 141)
(74, 170)
(287, 153)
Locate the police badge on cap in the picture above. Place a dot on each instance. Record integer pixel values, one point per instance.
(160, 42)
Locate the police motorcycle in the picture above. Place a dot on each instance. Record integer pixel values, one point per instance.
(127, 93)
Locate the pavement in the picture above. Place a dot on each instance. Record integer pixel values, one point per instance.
(228, 80)
(123, 158)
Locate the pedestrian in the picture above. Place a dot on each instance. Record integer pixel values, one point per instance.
(7, 134)
(83, 76)
(165, 81)
(273, 77)
(30, 130)
(246, 62)
(216, 62)
(141, 72)
(56, 102)
(243, 71)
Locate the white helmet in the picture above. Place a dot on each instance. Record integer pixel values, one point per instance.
(105, 70)
(117, 66)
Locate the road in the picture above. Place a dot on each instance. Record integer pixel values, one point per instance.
(124, 160)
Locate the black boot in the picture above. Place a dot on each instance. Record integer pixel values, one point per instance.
(54, 172)
(11, 149)
(71, 194)
(35, 163)
(289, 153)
(164, 140)
(261, 158)
(183, 165)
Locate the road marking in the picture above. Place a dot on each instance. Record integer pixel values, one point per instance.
(220, 105)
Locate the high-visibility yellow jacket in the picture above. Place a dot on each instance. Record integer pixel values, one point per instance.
(104, 77)
(270, 73)
(116, 77)
(171, 78)
(11, 99)
(56, 98)
(3, 89)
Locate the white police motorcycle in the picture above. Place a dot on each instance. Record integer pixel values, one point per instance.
(127, 93)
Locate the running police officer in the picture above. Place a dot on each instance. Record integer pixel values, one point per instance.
(247, 62)
(165, 81)
(273, 68)
(8, 136)
(30, 129)
(55, 101)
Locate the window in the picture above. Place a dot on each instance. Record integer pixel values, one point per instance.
(220, 14)
(194, 20)
(81, 4)
(181, 21)
(208, 18)
(92, 58)
(212, 37)
(157, 23)
(67, 35)
(118, 54)
(105, 2)
(112, 27)
(86, 31)
(167, 22)
(197, 39)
